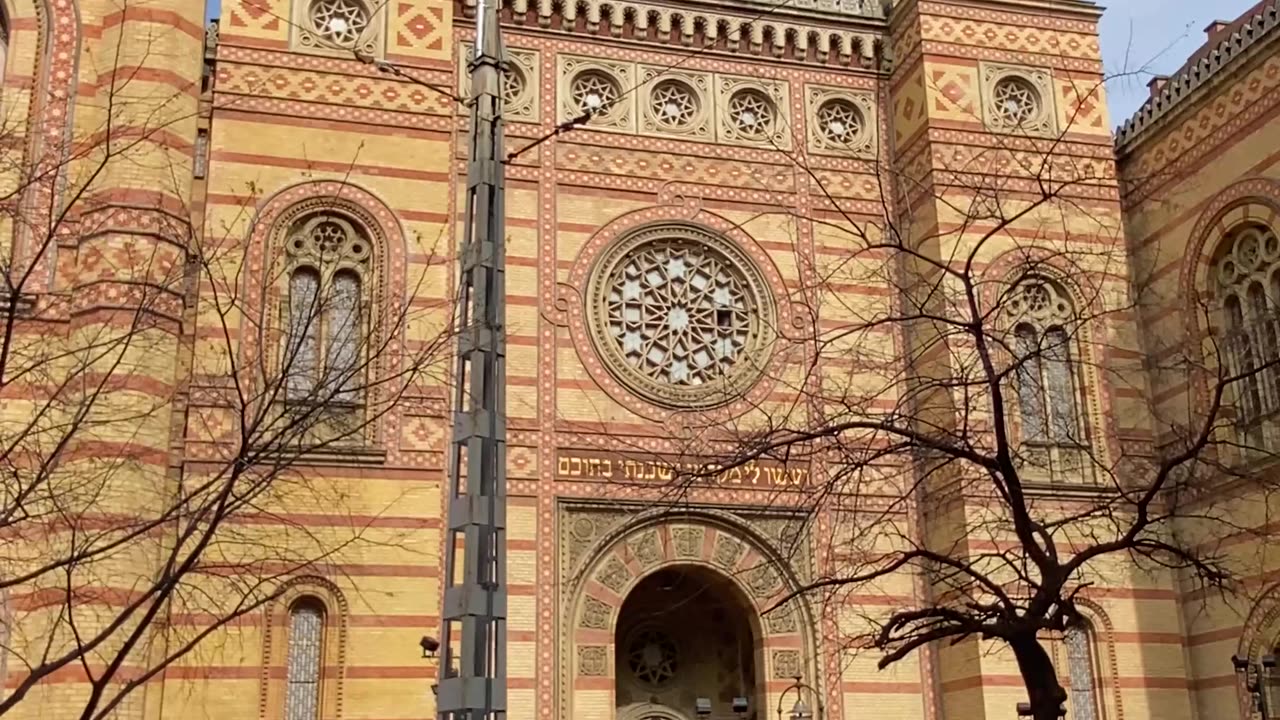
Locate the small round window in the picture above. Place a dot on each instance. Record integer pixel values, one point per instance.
(1016, 102)
(674, 104)
(338, 22)
(594, 92)
(841, 123)
(753, 114)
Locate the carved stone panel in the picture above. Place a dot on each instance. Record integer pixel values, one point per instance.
(782, 620)
(786, 664)
(727, 552)
(645, 549)
(687, 541)
(676, 102)
(1018, 99)
(614, 575)
(763, 581)
(579, 529)
(600, 87)
(841, 122)
(752, 112)
(593, 661)
(595, 614)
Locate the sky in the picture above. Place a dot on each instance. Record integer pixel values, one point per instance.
(1141, 38)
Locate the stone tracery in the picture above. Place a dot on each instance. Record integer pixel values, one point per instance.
(680, 315)
(340, 22)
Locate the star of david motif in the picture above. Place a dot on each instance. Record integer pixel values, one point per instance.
(1016, 102)
(840, 122)
(673, 104)
(752, 114)
(339, 22)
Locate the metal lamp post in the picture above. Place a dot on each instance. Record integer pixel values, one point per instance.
(1255, 676)
(473, 644)
(800, 710)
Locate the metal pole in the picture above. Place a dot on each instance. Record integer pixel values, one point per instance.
(473, 665)
(1262, 692)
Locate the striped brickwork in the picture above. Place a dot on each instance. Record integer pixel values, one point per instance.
(289, 126)
(1201, 167)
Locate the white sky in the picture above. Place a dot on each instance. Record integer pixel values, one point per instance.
(1141, 38)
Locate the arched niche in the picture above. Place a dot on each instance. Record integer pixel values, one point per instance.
(704, 544)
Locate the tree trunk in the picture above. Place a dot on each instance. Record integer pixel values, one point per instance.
(1045, 694)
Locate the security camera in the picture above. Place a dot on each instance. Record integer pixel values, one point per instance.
(740, 705)
(702, 707)
(429, 646)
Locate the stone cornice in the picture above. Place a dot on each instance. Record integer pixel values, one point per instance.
(1212, 62)
(800, 30)
(1085, 10)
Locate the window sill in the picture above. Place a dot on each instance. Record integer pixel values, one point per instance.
(347, 456)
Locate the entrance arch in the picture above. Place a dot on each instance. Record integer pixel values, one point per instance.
(686, 632)
(649, 711)
(703, 543)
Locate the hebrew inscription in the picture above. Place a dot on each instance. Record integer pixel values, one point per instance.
(585, 466)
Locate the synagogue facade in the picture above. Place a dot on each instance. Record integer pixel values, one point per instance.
(679, 266)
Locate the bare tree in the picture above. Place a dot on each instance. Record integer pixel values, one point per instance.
(160, 401)
(969, 386)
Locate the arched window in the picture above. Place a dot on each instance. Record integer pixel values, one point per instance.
(325, 330)
(1082, 702)
(1246, 270)
(1075, 659)
(1044, 370)
(305, 660)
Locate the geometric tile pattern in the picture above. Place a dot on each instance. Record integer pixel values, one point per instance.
(663, 166)
(420, 31)
(344, 90)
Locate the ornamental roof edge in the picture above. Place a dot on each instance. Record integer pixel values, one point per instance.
(854, 39)
(1217, 55)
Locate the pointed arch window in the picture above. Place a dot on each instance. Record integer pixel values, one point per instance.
(1246, 270)
(329, 259)
(1045, 364)
(305, 659)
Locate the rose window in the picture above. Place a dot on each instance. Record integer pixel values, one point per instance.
(840, 122)
(1016, 102)
(752, 114)
(594, 92)
(652, 657)
(1036, 298)
(339, 22)
(327, 239)
(673, 104)
(679, 315)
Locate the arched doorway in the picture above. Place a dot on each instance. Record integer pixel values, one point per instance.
(686, 632)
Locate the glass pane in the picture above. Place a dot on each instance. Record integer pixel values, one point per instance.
(1262, 338)
(1030, 389)
(1060, 386)
(1084, 704)
(306, 630)
(343, 349)
(1240, 361)
(302, 348)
